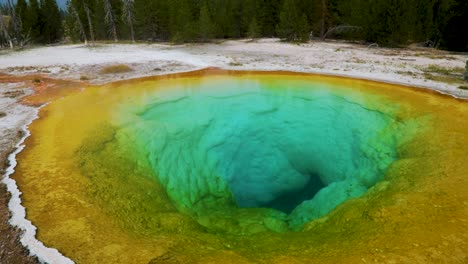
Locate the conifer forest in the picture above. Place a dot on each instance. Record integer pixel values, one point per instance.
(393, 23)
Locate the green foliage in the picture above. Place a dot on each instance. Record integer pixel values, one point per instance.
(302, 28)
(182, 26)
(453, 26)
(439, 23)
(399, 22)
(152, 20)
(99, 24)
(254, 29)
(288, 18)
(292, 26)
(269, 17)
(51, 28)
(206, 29)
(35, 20)
(21, 11)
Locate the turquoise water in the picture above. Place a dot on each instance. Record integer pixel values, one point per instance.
(223, 148)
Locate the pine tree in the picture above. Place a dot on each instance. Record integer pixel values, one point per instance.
(453, 27)
(396, 29)
(22, 13)
(35, 21)
(391, 22)
(182, 26)
(52, 22)
(229, 19)
(74, 23)
(302, 28)
(110, 19)
(254, 29)
(206, 30)
(269, 16)
(88, 18)
(100, 26)
(128, 16)
(249, 11)
(148, 21)
(288, 19)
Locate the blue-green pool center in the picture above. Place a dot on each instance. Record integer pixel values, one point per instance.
(242, 155)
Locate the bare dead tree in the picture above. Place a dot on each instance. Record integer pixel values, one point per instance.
(16, 20)
(4, 30)
(21, 37)
(110, 19)
(322, 21)
(129, 16)
(341, 28)
(90, 23)
(80, 24)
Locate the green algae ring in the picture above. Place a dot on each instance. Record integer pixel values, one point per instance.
(229, 166)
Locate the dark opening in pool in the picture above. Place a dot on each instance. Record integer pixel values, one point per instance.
(290, 200)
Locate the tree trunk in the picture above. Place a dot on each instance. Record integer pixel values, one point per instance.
(82, 30)
(114, 33)
(5, 30)
(17, 24)
(132, 33)
(322, 22)
(90, 24)
(128, 16)
(110, 19)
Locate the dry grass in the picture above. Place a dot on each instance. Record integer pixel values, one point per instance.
(391, 53)
(357, 60)
(443, 74)
(13, 93)
(409, 73)
(433, 68)
(23, 68)
(444, 78)
(117, 68)
(173, 64)
(235, 63)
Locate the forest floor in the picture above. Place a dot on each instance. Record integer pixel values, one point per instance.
(20, 71)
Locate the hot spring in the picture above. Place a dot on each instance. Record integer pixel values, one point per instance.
(227, 166)
(224, 144)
